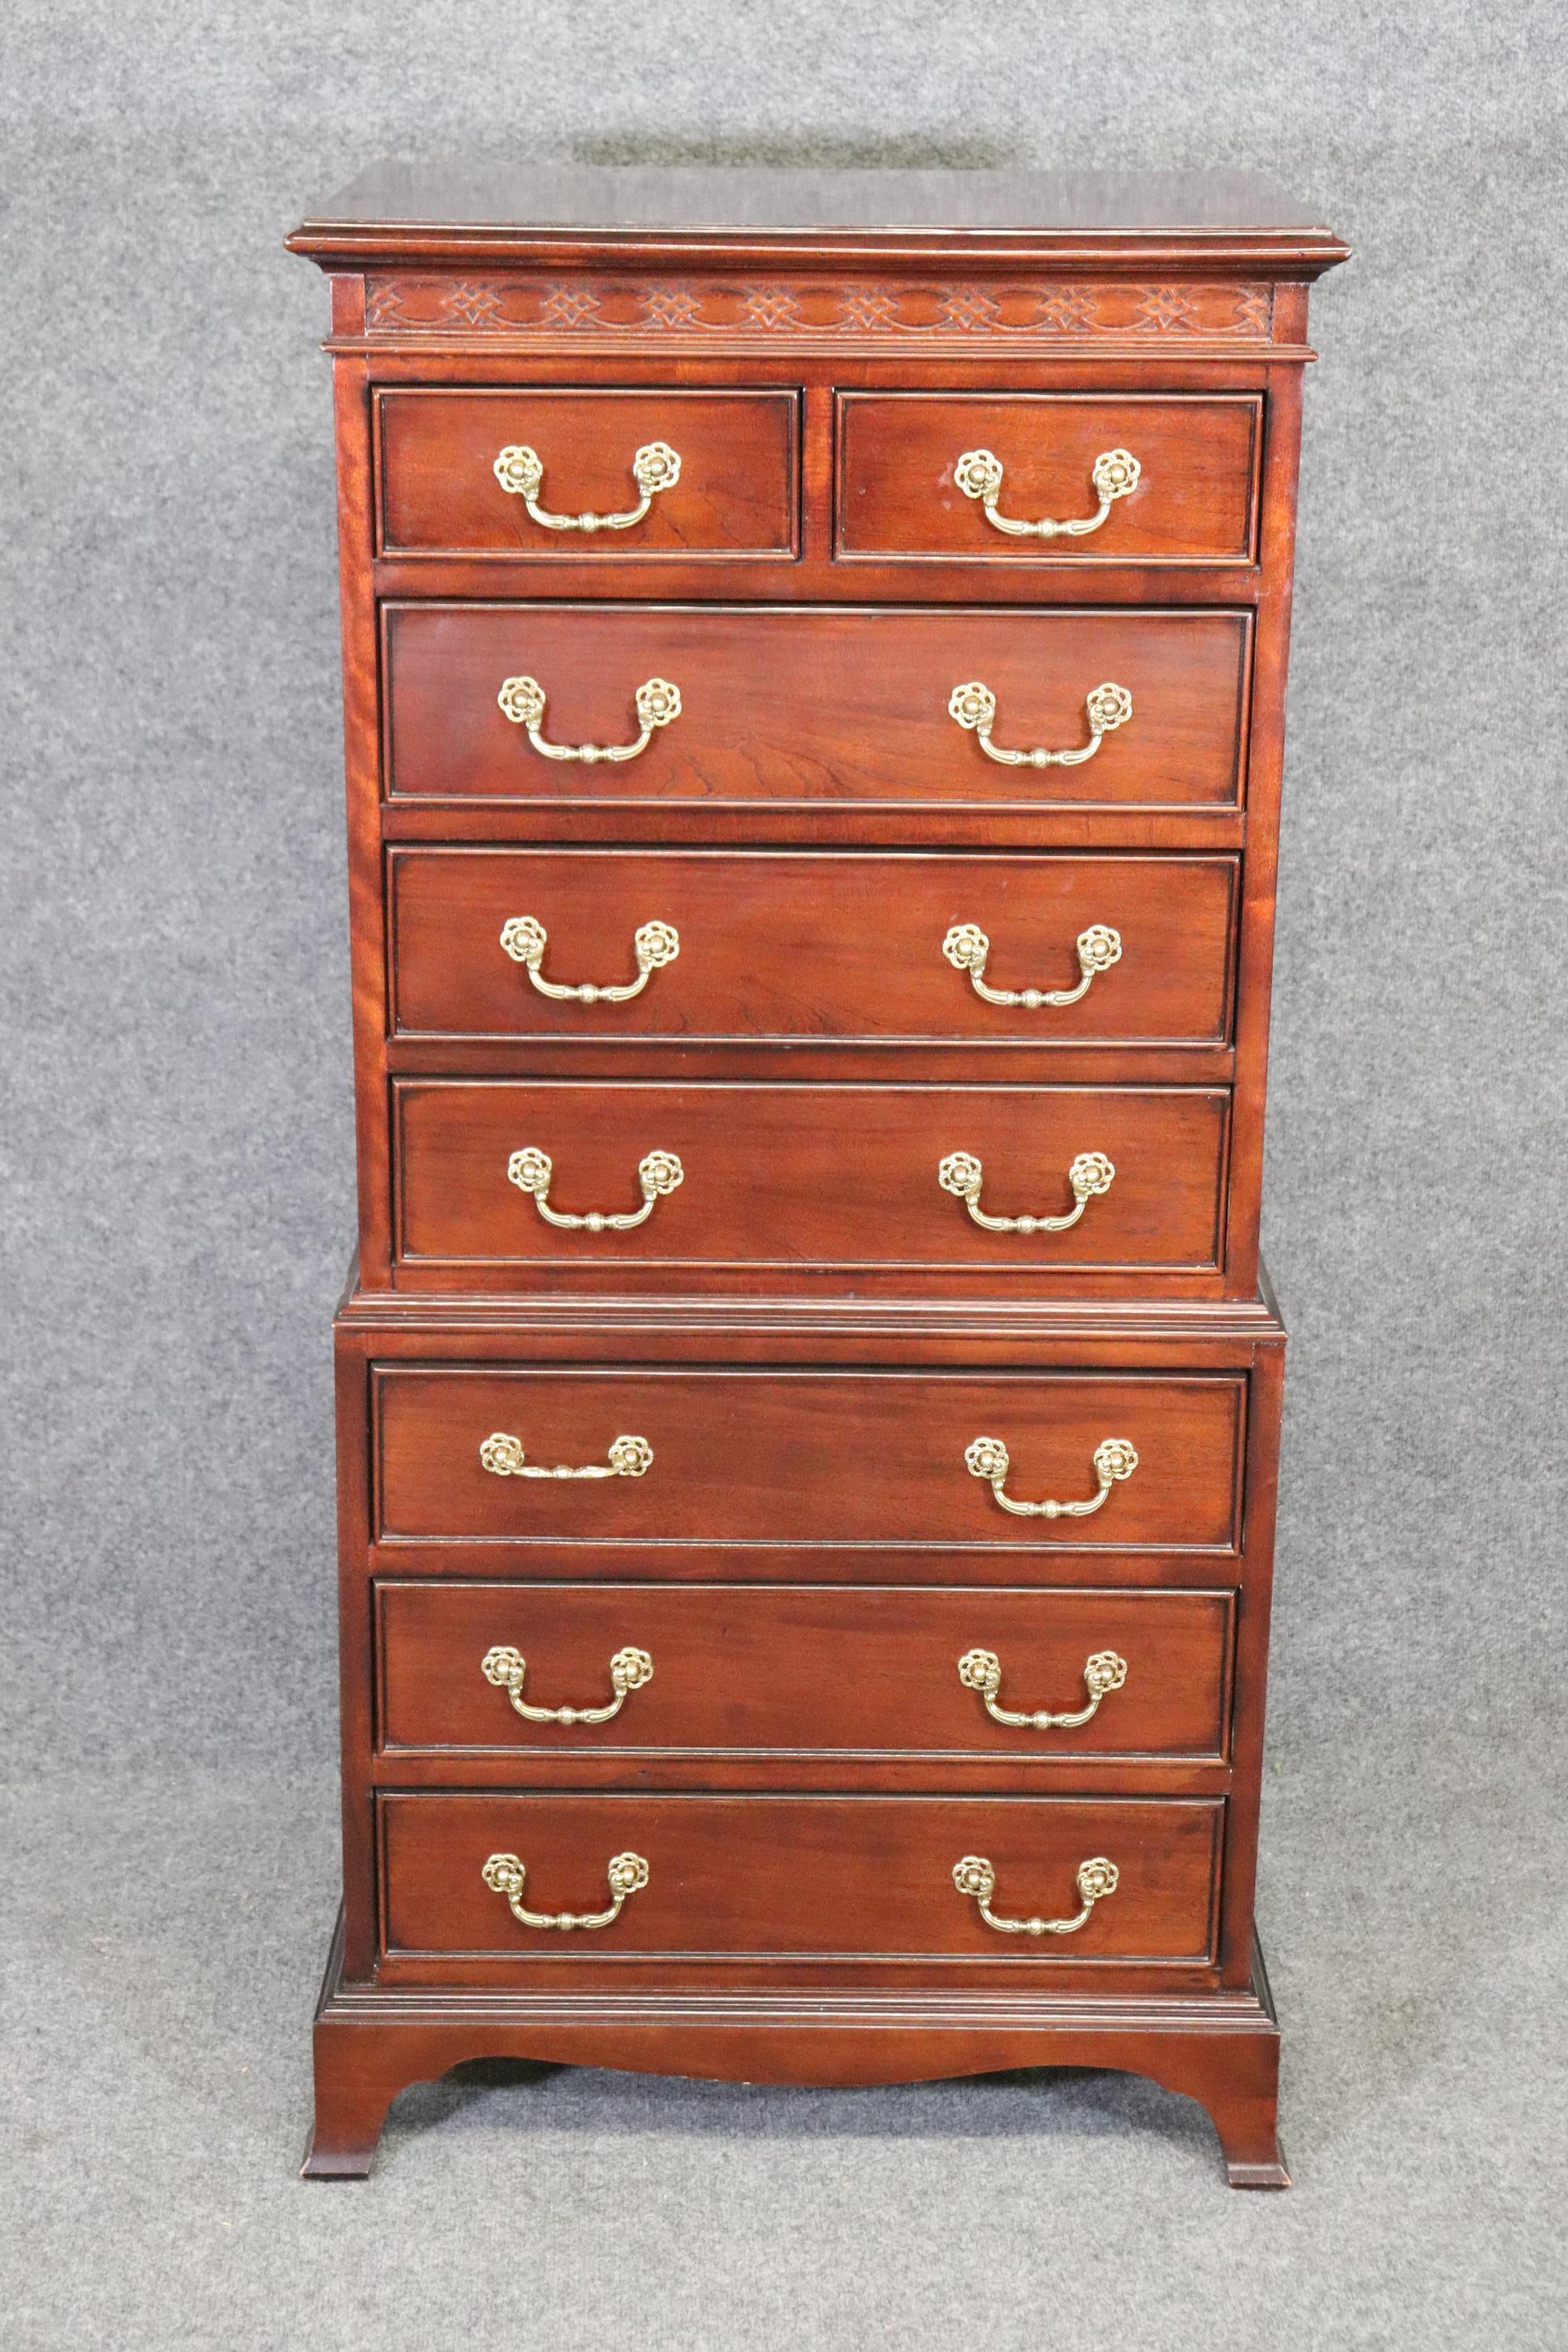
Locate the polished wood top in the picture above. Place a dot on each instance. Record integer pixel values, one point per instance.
(519, 212)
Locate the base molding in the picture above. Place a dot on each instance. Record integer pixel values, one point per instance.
(1221, 2049)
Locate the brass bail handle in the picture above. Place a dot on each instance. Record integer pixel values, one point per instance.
(976, 1876)
(519, 470)
(532, 1171)
(524, 938)
(502, 1455)
(973, 706)
(503, 1873)
(967, 948)
(962, 1174)
(988, 1458)
(522, 700)
(1114, 474)
(981, 1671)
(506, 1669)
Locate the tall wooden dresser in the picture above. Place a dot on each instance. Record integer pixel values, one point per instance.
(809, 1402)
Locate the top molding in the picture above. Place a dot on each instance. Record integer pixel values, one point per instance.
(1164, 224)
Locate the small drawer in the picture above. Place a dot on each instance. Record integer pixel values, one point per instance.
(865, 1671)
(931, 1459)
(791, 1879)
(660, 473)
(712, 707)
(792, 1178)
(1170, 480)
(750, 947)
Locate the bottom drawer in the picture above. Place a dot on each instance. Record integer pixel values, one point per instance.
(797, 1879)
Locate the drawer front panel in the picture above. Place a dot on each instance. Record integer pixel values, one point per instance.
(438, 493)
(867, 1671)
(811, 948)
(805, 705)
(800, 1877)
(832, 1457)
(1195, 501)
(792, 1176)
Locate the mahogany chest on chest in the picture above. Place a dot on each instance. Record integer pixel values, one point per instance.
(809, 1402)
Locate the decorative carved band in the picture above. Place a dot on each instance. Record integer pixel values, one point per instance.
(708, 306)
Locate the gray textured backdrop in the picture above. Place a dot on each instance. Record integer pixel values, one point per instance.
(177, 1144)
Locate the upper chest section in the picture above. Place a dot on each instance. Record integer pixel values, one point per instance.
(926, 386)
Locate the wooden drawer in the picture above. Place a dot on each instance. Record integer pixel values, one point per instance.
(813, 704)
(791, 1177)
(807, 1670)
(437, 491)
(1195, 499)
(810, 947)
(773, 1457)
(799, 1878)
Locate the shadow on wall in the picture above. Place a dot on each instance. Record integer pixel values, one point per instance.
(862, 151)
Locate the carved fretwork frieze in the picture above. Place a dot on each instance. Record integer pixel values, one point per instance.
(1042, 310)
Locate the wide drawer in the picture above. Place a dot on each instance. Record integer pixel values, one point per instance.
(793, 1878)
(672, 1669)
(779, 947)
(920, 474)
(770, 1457)
(792, 1176)
(439, 492)
(809, 704)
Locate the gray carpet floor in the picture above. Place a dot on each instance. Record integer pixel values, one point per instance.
(161, 1945)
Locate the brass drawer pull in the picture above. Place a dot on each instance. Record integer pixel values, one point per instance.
(524, 938)
(961, 1174)
(978, 474)
(976, 1876)
(981, 1670)
(503, 1458)
(988, 1458)
(504, 1874)
(657, 702)
(967, 948)
(974, 707)
(532, 1170)
(519, 470)
(629, 1670)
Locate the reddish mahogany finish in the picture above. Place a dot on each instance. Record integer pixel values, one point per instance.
(1194, 502)
(438, 494)
(813, 1670)
(819, 1457)
(809, 1331)
(868, 1879)
(820, 947)
(812, 704)
(800, 1181)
